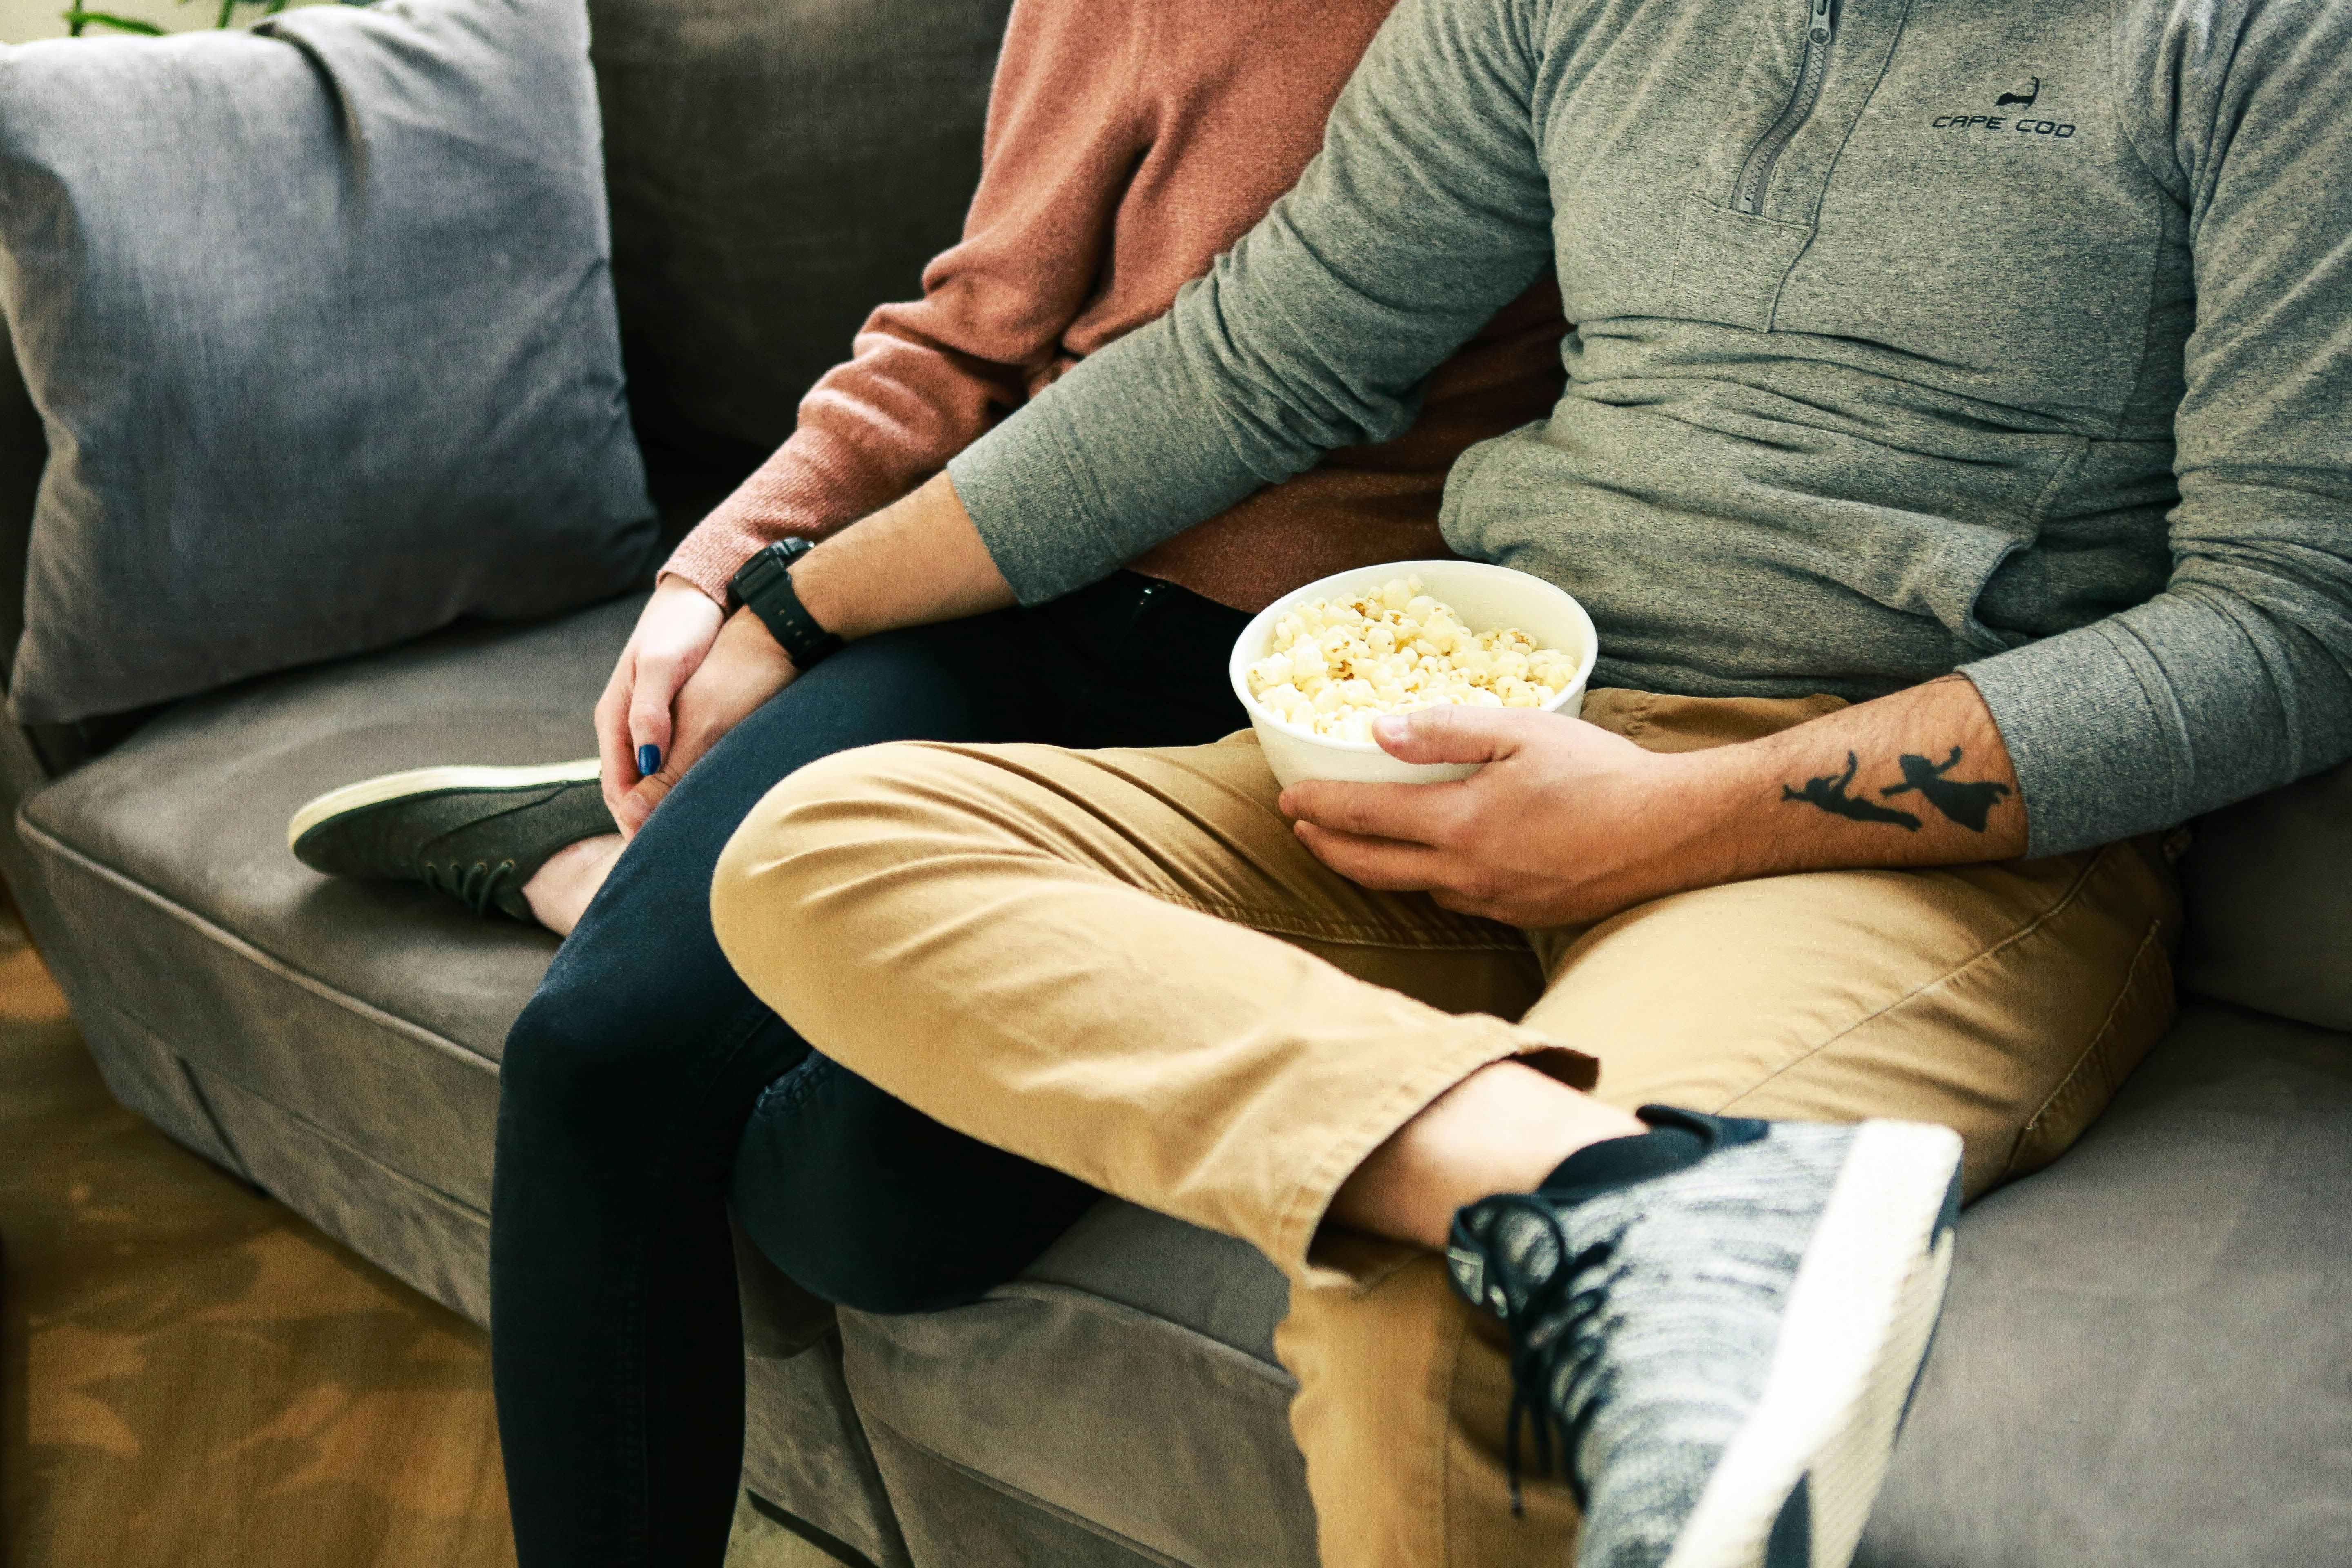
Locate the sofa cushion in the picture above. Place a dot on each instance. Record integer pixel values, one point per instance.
(2146, 1358)
(321, 327)
(1148, 1345)
(2144, 1361)
(23, 451)
(2270, 902)
(191, 810)
(339, 1042)
(373, 1013)
(777, 167)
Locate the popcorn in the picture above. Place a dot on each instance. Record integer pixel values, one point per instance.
(1335, 666)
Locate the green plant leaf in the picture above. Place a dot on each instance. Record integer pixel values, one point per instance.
(121, 24)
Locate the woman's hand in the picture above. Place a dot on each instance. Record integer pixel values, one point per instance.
(674, 635)
(1566, 823)
(684, 681)
(743, 670)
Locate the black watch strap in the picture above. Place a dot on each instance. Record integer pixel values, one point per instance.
(763, 586)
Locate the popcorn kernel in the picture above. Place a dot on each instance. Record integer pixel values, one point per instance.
(1335, 664)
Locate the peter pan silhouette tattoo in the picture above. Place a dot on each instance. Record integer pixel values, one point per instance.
(1828, 792)
(1966, 802)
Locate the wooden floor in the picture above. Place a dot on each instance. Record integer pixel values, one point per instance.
(190, 1375)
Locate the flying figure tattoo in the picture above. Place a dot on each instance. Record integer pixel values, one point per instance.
(1828, 791)
(1965, 803)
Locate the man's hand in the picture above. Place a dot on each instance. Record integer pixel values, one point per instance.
(1565, 822)
(684, 680)
(1568, 822)
(743, 668)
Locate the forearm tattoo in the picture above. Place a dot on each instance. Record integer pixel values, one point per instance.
(1828, 791)
(1966, 802)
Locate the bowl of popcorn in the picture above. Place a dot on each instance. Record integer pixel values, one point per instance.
(1317, 667)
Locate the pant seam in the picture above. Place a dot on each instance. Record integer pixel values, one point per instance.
(1638, 717)
(2065, 901)
(1269, 921)
(2094, 1054)
(789, 1089)
(1350, 934)
(1445, 1444)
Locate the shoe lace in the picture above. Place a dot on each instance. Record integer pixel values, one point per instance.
(1550, 1314)
(475, 884)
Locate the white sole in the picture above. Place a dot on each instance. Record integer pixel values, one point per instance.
(433, 781)
(1861, 1311)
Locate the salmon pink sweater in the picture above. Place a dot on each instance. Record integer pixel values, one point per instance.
(1129, 143)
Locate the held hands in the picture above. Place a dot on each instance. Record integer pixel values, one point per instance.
(690, 675)
(1565, 823)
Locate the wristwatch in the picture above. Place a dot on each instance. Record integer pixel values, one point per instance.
(763, 586)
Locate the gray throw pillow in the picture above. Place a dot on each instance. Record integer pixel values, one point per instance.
(319, 319)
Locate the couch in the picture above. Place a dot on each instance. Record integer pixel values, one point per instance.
(2147, 1355)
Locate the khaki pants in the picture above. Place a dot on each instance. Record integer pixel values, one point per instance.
(1123, 964)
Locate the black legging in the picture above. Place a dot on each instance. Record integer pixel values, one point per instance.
(643, 1063)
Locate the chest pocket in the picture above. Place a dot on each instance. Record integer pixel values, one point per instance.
(1751, 213)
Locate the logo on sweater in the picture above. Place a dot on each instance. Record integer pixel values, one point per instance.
(2022, 99)
(2014, 124)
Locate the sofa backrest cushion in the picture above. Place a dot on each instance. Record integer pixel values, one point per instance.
(23, 450)
(777, 169)
(320, 322)
(2270, 902)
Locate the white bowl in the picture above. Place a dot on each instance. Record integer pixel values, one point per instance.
(1486, 597)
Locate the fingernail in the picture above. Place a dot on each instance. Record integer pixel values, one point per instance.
(648, 760)
(1390, 728)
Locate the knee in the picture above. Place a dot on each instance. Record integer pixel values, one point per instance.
(566, 1054)
(765, 873)
(606, 1029)
(783, 884)
(871, 1204)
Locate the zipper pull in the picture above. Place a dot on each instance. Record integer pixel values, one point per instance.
(1821, 26)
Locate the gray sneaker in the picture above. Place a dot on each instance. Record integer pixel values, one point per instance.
(477, 833)
(1721, 1323)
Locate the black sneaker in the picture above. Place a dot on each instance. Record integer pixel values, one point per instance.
(1721, 1323)
(477, 834)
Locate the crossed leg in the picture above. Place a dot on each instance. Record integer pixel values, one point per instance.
(2005, 1002)
(1067, 954)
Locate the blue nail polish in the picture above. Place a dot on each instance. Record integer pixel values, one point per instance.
(648, 760)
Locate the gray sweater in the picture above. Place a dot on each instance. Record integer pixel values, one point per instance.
(2006, 336)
